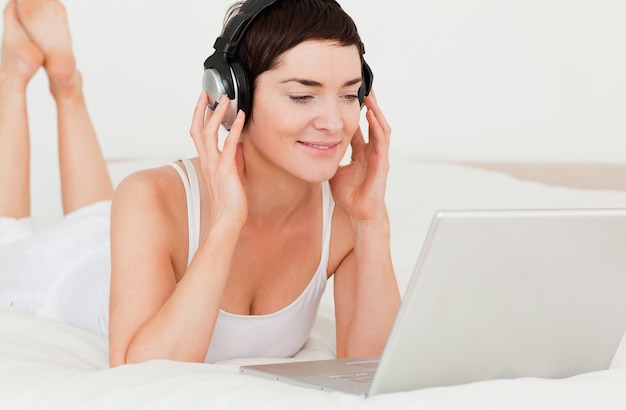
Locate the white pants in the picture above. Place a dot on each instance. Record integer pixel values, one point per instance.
(61, 272)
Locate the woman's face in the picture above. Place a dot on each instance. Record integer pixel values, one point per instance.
(306, 110)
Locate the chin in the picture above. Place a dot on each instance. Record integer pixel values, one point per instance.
(319, 175)
(326, 176)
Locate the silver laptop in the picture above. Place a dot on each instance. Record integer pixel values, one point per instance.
(495, 294)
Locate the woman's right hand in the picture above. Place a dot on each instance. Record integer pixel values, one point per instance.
(222, 170)
(157, 311)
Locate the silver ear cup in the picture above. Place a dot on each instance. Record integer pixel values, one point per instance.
(213, 85)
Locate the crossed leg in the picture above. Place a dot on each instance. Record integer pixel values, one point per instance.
(36, 32)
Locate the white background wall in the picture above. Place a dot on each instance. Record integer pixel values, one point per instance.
(517, 80)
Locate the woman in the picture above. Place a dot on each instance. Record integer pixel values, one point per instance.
(227, 254)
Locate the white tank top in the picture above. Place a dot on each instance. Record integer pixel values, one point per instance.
(278, 334)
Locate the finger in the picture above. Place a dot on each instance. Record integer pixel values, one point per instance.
(372, 104)
(204, 129)
(197, 122)
(234, 135)
(378, 137)
(357, 139)
(357, 144)
(379, 129)
(239, 161)
(213, 119)
(372, 94)
(211, 130)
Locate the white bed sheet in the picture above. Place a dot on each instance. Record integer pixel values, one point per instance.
(50, 365)
(47, 365)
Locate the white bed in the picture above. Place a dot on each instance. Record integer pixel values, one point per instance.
(49, 365)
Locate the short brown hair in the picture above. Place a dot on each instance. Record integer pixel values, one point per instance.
(287, 23)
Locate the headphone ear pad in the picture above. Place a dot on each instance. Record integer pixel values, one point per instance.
(243, 88)
(366, 85)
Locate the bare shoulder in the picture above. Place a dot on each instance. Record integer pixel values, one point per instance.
(149, 213)
(149, 183)
(155, 190)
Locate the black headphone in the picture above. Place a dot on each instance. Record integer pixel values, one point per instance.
(224, 74)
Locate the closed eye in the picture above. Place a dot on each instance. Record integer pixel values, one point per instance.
(301, 99)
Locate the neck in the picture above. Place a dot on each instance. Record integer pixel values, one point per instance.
(274, 196)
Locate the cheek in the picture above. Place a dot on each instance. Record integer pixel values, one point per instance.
(352, 120)
(271, 113)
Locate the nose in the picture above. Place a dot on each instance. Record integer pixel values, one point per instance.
(329, 118)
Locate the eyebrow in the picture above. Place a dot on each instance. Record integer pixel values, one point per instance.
(312, 83)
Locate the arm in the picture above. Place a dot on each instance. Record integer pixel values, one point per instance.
(153, 312)
(366, 292)
(151, 316)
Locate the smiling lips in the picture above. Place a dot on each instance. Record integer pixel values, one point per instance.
(318, 146)
(319, 149)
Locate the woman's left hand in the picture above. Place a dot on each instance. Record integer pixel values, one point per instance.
(359, 187)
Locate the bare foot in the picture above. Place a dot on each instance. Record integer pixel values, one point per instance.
(45, 21)
(20, 57)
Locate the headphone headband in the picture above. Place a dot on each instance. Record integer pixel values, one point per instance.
(237, 25)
